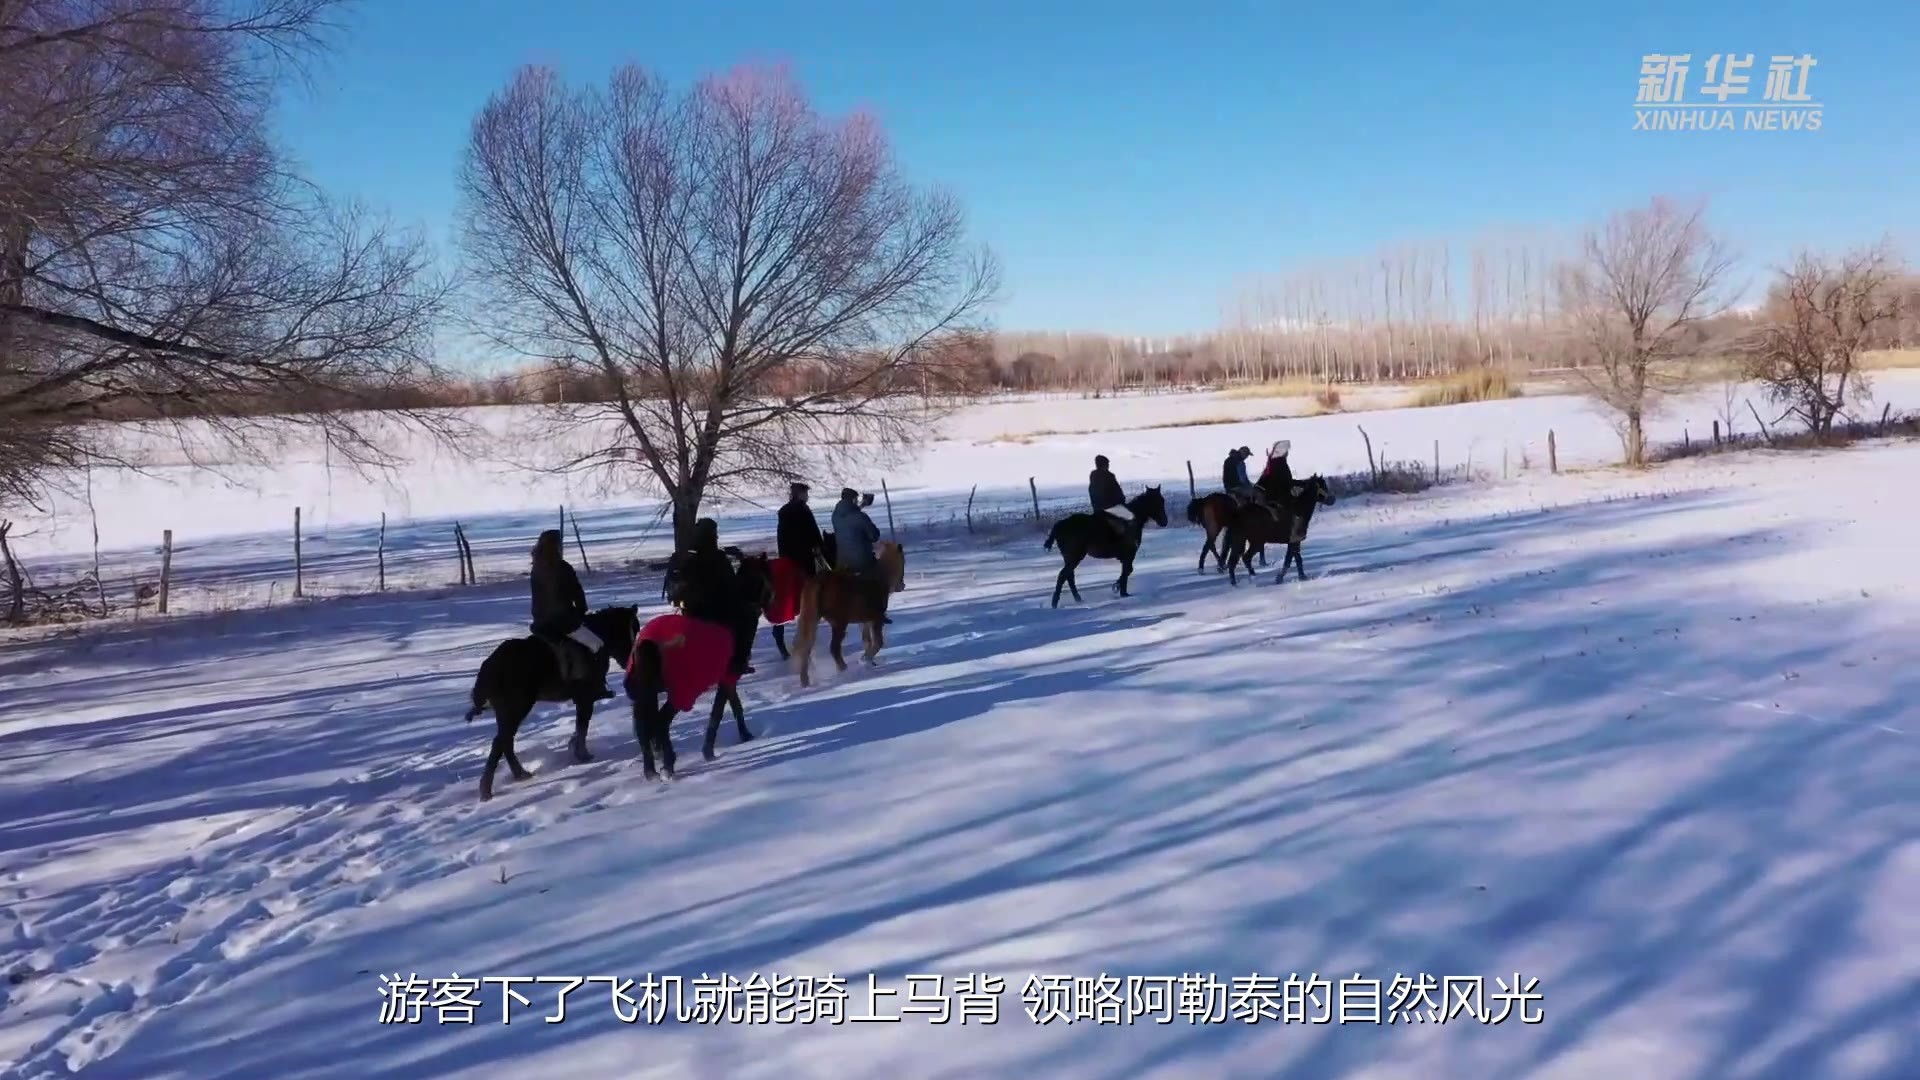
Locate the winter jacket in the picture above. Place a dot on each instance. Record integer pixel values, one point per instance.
(707, 586)
(798, 537)
(854, 535)
(1278, 477)
(1233, 475)
(559, 603)
(1103, 490)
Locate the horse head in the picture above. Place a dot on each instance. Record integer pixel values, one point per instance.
(1152, 505)
(757, 569)
(1322, 492)
(616, 627)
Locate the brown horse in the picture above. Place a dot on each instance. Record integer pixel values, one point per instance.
(840, 598)
(1286, 523)
(1211, 513)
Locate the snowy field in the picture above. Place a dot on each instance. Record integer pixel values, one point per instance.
(1645, 745)
(233, 526)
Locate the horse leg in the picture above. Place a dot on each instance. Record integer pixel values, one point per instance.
(739, 715)
(506, 722)
(838, 639)
(713, 723)
(644, 707)
(582, 716)
(663, 735)
(780, 641)
(513, 760)
(1066, 574)
(1205, 550)
(1126, 571)
(1293, 556)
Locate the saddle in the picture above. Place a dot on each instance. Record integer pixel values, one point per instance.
(575, 662)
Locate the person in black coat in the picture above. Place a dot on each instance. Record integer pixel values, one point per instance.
(560, 608)
(709, 590)
(1103, 491)
(798, 537)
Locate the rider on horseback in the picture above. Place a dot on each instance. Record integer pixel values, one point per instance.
(559, 611)
(854, 535)
(1103, 491)
(706, 588)
(1233, 477)
(1278, 475)
(798, 535)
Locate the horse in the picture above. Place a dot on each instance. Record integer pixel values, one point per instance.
(1287, 524)
(522, 672)
(1083, 536)
(701, 656)
(841, 597)
(1211, 512)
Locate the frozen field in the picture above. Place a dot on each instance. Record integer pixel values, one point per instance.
(1645, 745)
(233, 528)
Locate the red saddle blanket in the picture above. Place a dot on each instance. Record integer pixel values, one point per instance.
(787, 582)
(694, 656)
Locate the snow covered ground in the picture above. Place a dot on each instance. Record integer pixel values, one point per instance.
(1644, 744)
(233, 528)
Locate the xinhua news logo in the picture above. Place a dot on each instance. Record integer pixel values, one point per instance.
(1722, 101)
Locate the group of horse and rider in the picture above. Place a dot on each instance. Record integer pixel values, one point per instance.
(702, 579)
(1103, 488)
(843, 577)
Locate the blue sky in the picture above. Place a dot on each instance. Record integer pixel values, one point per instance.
(1131, 164)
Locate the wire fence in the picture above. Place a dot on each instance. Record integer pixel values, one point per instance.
(309, 563)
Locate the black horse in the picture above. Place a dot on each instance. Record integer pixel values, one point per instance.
(1093, 536)
(646, 681)
(1286, 523)
(522, 672)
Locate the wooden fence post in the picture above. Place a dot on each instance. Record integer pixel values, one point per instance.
(580, 544)
(1553, 453)
(1036, 498)
(460, 552)
(1192, 491)
(1373, 469)
(166, 567)
(1716, 434)
(466, 553)
(888, 498)
(298, 569)
(383, 553)
(1436, 461)
(970, 495)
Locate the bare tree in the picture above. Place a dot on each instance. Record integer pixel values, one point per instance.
(1819, 318)
(759, 291)
(157, 258)
(1635, 297)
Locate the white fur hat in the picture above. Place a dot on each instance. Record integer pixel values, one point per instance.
(1279, 449)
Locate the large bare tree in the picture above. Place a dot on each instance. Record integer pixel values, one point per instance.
(1636, 298)
(759, 291)
(1819, 318)
(158, 258)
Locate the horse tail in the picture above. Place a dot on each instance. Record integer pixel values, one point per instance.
(479, 691)
(1048, 546)
(809, 615)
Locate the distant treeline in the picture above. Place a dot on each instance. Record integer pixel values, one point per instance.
(1404, 316)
